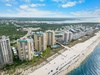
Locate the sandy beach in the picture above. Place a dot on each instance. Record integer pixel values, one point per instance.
(69, 59)
(84, 54)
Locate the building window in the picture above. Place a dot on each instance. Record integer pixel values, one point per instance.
(20, 44)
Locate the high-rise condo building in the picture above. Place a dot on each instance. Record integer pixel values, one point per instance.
(40, 41)
(5, 51)
(59, 35)
(68, 36)
(50, 37)
(25, 49)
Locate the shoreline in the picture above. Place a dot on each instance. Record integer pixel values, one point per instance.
(70, 59)
(83, 57)
(67, 60)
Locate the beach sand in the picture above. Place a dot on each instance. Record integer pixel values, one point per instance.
(87, 52)
(70, 59)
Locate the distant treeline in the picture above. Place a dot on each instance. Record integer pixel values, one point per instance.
(45, 26)
(10, 30)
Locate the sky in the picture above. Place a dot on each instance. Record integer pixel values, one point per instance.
(49, 8)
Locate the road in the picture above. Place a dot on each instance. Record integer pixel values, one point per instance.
(29, 31)
(26, 29)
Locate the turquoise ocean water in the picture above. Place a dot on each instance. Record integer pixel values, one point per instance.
(91, 66)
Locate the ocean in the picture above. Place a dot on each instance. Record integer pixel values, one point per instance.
(90, 66)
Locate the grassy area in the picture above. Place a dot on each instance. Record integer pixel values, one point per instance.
(49, 52)
(10, 30)
(46, 52)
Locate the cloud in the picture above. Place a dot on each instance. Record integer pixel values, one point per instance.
(36, 5)
(24, 6)
(27, 0)
(60, 1)
(4, 0)
(32, 0)
(65, 1)
(8, 5)
(24, 11)
(69, 4)
(33, 12)
(9, 10)
(81, 1)
(93, 13)
(42, 0)
(31, 5)
(9, 1)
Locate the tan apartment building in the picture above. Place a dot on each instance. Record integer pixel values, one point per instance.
(50, 37)
(5, 51)
(25, 49)
(40, 41)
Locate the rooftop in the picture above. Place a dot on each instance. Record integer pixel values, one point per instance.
(39, 33)
(25, 40)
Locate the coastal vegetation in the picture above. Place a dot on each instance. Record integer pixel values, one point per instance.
(18, 64)
(8, 29)
(47, 26)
